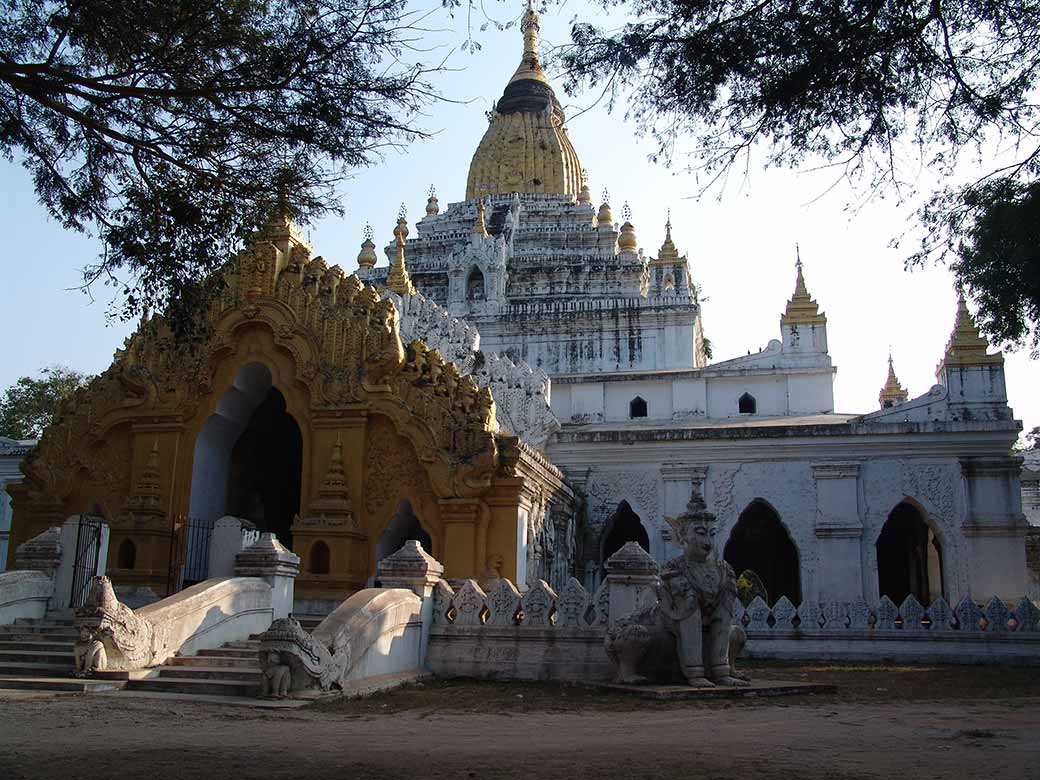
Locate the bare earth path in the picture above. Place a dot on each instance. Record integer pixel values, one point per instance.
(904, 724)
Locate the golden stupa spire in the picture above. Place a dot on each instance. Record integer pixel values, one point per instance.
(367, 256)
(604, 215)
(530, 64)
(398, 279)
(892, 393)
(801, 309)
(967, 346)
(668, 252)
(627, 240)
(480, 225)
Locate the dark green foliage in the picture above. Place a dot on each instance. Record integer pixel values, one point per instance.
(171, 128)
(28, 406)
(858, 83)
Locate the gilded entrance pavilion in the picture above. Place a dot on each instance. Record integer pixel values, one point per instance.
(303, 411)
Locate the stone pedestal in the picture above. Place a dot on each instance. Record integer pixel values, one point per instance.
(41, 553)
(414, 569)
(269, 560)
(631, 579)
(839, 532)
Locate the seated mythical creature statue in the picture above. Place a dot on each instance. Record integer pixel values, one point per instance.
(129, 642)
(89, 653)
(276, 677)
(689, 631)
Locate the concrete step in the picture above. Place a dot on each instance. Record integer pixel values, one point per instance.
(14, 629)
(230, 652)
(196, 686)
(243, 644)
(30, 646)
(30, 669)
(49, 622)
(30, 656)
(209, 673)
(59, 684)
(228, 662)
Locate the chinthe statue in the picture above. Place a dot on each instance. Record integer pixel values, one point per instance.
(688, 632)
(698, 596)
(276, 676)
(89, 653)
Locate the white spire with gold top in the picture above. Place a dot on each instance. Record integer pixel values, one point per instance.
(967, 346)
(801, 308)
(526, 148)
(480, 225)
(892, 393)
(668, 254)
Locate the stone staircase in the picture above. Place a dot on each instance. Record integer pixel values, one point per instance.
(231, 670)
(38, 655)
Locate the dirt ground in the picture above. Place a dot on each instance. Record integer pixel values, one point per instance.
(902, 723)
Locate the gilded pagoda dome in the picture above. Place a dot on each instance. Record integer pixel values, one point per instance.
(526, 148)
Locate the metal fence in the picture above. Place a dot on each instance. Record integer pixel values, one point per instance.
(85, 564)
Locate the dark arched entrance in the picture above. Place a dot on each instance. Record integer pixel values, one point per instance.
(266, 463)
(623, 526)
(909, 557)
(404, 525)
(760, 543)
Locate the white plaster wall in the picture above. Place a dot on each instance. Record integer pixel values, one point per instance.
(810, 393)
(689, 397)
(656, 393)
(770, 394)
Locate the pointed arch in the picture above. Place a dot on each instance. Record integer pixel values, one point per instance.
(761, 543)
(747, 404)
(126, 558)
(403, 525)
(475, 287)
(624, 525)
(637, 407)
(910, 559)
(319, 558)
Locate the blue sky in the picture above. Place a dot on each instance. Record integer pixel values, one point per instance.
(741, 248)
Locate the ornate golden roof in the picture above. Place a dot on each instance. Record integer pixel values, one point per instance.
(892, 393)
(802, 309)
(526, 148)
(668, 253)
(967, 346)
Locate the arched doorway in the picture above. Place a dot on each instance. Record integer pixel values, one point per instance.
(760, 543)
(909, 557)
(475, 286)
(623, 526)
(248, 459)
(404, 525)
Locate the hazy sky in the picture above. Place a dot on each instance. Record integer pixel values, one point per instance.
(742, 249)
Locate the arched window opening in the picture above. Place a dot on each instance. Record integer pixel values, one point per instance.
(909, 557)
(404, 525)
(623, 526)
(760, 544)
(319, 558)
(475, 286)
(637, 408)
(127, 556)
(746, 404)
(669, 283)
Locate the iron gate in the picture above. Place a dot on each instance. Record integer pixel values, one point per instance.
(189, 552)
(88, 550)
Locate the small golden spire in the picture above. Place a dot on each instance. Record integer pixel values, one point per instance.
(967, 346)
(668, 253)
(627, 240)
(892, 393)
(367, 256)
(584, 195)
(398, 279)
(480, 226)
(802, 309)
(604, 217)
(433, 206)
